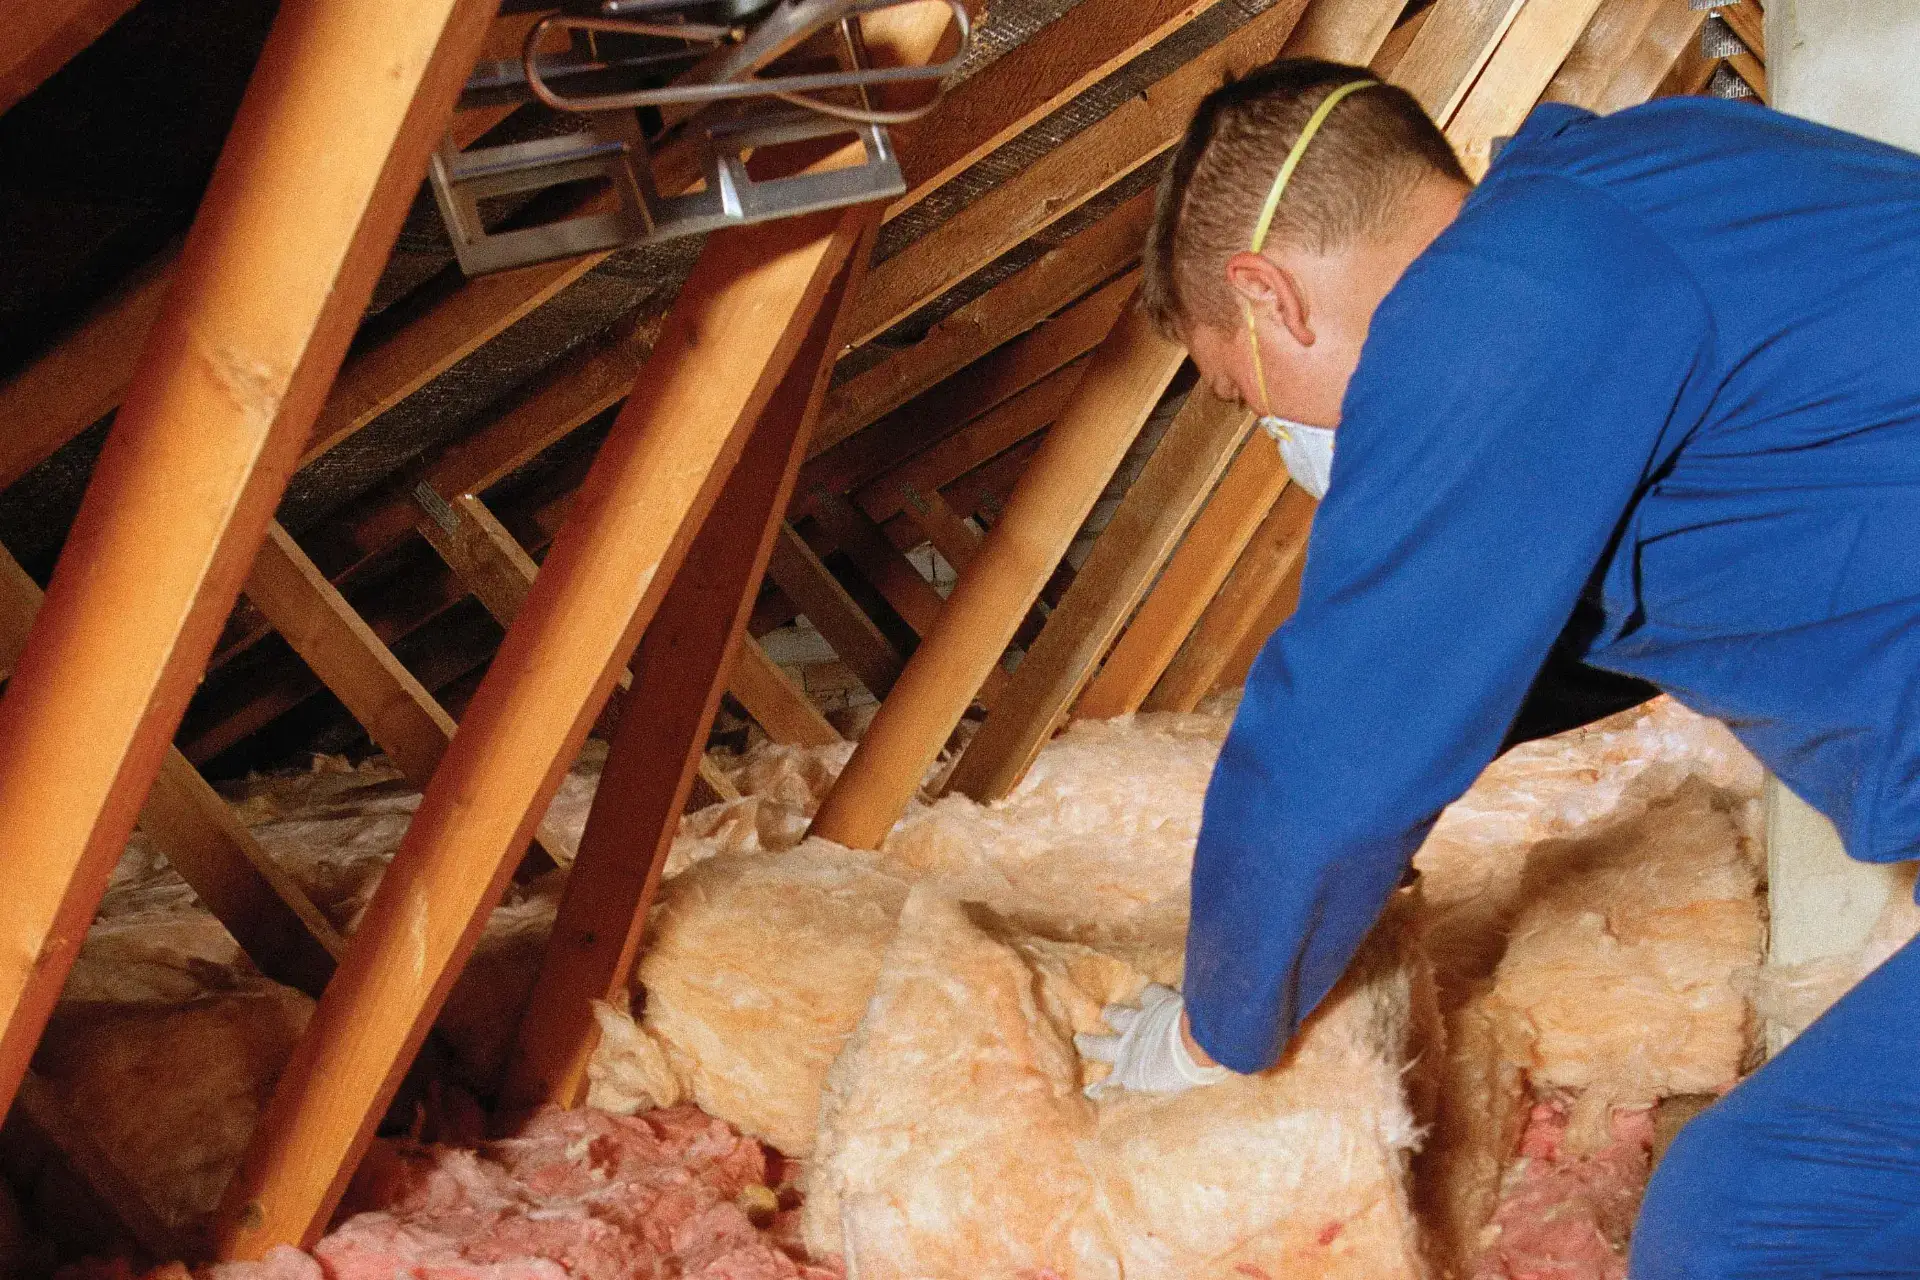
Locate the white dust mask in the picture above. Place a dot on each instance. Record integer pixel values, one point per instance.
(1307, 451)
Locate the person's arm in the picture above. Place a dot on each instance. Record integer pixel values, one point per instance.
(1502, 421)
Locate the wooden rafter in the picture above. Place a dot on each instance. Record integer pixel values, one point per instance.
(738, 324)
(38, 39)
(1122, 383)
(1535, 45)
(265, 910)
(679, 671)
(1063, 179)
(253, 329)
(997, 316)
(1157, 509)
(1671, 35)
(1239, 608)
(1192, 579)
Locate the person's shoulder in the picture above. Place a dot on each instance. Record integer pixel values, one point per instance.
(1549, 235)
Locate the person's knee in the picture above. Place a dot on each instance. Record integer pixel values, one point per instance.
(1680, 1234)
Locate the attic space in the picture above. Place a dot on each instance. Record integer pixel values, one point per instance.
(617, 623)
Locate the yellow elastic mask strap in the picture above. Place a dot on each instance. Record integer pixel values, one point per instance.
(1280, 180)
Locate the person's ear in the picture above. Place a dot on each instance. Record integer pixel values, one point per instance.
(1272, 291)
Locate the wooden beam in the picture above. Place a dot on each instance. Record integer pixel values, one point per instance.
(265, 298)
(1535, 45)
(1156, 510)
(1279, 607)
(1030, 81)
(1002, 313)
(1063, 179)
(1604, 48)
(1750, 69)
(1450, 49)
(1395, 46)
(883, 564)
(737, 324)
(1263, 568)
(986, 436)
(783, 711)
(834, 614)
(262, 906)
(81, 379)
(397, 712)
(40, 38)
(1749, 22)
(956, 540)
(891, 573)
(1352, 31)
(1688, 72)
(967, 394)
(1192, 578)
(1673, 31)
(679, 671)
(1122, 384)
(486, 558)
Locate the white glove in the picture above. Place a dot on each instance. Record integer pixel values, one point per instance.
(1149, 1055)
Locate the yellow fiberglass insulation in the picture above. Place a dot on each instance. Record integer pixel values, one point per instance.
(956, 1141)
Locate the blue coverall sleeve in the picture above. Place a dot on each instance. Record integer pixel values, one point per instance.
(1506, 410)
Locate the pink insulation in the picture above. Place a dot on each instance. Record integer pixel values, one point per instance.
(578, 1195)
(1564, 1215)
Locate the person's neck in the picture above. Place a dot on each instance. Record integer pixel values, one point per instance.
(1426, 211)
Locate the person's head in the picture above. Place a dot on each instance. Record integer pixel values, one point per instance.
(1376, 182)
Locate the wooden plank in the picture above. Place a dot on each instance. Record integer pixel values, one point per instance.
(1122, 384)
(491, 562)
(1674, 30)
(81, 379)
(735, 327)
(1062, 180)
(1279, 607)
(1263, 568)
(679, 671)
(1395, 46)
(1450, 50)
(1156, 510)
(262, 906)
(883, 565)
(956, 540)
(265, 298)
(1750, 69)
(1604, 48)
(1352, 31)
(986, 436)
(396, 711)
(1688, 72)
(834, 614)
(487, 558)
(40, 38)
(1034, 78)
(891, 573)
(1534, 47)
(1192, 578)
(1749, 22)
(1002, 313)
(969, 393)
(786, 713)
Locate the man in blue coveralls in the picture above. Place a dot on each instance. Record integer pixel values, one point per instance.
(1640, 410)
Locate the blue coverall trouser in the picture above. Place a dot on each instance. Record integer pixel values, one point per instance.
(1810, 1169)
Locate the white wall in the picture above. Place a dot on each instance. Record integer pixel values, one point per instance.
(1854, 64)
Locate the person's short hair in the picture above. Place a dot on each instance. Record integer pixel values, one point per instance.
(1372, 149)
